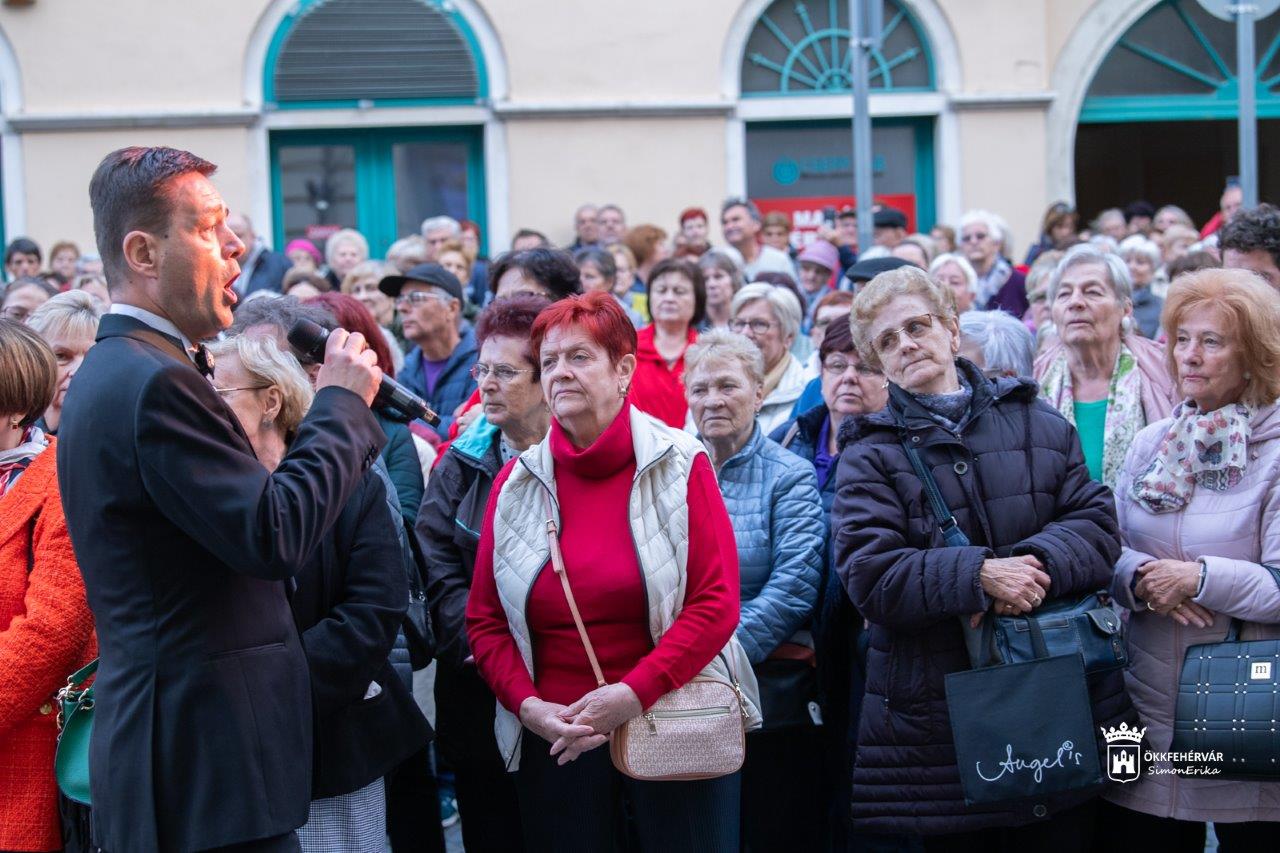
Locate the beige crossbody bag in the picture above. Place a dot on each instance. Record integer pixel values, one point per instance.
(697, 731)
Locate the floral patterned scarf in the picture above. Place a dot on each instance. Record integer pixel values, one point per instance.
(14, 462)
(1206, 449)
(1125, 416)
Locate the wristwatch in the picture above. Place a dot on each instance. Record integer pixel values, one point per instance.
(1200, 585)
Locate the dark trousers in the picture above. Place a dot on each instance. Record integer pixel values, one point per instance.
(486, 792)
(587, 806)
(1070, 831)
(783, 803)
(413, 806)
(1122, 830)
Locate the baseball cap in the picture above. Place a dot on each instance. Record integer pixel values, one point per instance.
(428, 273)
(888, 217)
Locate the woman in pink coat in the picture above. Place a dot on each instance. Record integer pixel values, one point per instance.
(1198, 502)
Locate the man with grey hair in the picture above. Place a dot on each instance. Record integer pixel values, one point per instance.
(586, 231)
(997, 343)
(740, 222)
(261, 269)
(611, 224)
(1111, 223)
(438, 230)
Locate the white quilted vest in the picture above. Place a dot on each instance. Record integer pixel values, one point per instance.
(659, 515)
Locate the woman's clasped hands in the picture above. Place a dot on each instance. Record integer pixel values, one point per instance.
(1167, 587)
(581, 727)
(1015, 585)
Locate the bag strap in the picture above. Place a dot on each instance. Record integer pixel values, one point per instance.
(557, 563)
(80, 676)
(951, 532)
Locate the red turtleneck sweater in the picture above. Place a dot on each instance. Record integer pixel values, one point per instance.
(594, 486)
(657, 388)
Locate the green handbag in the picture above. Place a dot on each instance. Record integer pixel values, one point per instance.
(75, 724)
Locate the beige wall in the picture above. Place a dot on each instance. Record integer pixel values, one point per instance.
(1003, 168)
(653, 168)
(59, 165)
(1001, 43)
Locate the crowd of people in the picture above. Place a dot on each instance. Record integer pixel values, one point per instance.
(660, 458)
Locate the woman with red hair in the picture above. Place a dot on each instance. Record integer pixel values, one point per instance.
(628, 490)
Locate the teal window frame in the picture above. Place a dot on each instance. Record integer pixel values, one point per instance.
(1222, 103)
(375, 189)
(881, 66)
(300, 8)
(926, 182)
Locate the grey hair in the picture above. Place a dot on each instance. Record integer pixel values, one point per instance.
(263, 359)
(966, 268)
(740, 201)
(73, 312)
(345, 235)
(723, 345)
(1007, 344)
(781, 299)
(723, 261)
(437, 223)
(995, 225)
(280, 312)
(1184, 218)
(1109, 213)
(1087, 253)
(1140, 245)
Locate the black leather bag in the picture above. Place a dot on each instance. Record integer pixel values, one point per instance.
(418, 633)
(1063, 625)
(788, 693)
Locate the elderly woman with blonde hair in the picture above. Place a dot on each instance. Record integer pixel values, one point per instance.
(777, 517)
(361, 282)
(769, 315)
(1010, 470)
(69, 324)
(342, 251)
(349, 604)
(1198, 503)
(1104, 378)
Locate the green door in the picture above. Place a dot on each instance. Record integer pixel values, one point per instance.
(382, 182)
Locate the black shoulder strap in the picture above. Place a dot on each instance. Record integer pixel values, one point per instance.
(951, 532)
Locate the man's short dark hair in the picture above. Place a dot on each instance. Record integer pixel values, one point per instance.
(1253, 230)
(551, 268)
(22, 246)
(740, 201)
(128, 193)
(543, 242)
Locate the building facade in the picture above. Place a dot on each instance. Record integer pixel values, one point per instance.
(511, 113)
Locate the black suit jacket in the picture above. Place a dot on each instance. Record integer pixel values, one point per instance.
(269, 273)
(350, 602)
(202, 734)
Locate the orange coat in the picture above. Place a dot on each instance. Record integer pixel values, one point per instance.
(46, 633)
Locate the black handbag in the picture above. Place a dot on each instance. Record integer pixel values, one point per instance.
(1228, 703)
(788, 691)
(418, 633)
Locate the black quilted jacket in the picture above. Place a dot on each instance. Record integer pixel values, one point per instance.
(1015, 479)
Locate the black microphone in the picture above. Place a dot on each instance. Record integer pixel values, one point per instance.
(393, 398)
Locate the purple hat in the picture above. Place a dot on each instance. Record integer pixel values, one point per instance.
(822, 253)
(308, 247)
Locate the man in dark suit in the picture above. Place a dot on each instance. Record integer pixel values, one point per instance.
(202, 737)
(260, 268)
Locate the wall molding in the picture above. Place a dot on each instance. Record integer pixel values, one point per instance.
(62, 122)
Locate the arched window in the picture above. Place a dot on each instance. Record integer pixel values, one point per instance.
(803, 48)
(380, 52)
(1179, 62)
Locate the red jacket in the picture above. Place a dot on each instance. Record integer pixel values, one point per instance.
(657, 389)
(46, 633)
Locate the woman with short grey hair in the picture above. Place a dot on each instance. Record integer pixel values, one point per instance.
(954, 270)
(722, 278)
(1105, 379)
(1143, 257)
(982, 236)
(342, 251)
(998, 344)
(769, 316)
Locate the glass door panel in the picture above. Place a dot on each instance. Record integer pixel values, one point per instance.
(317, 187)
(430, 180)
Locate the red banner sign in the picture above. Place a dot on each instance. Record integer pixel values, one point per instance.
(806, 213)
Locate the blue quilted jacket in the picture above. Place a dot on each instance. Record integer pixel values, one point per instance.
(773, 503)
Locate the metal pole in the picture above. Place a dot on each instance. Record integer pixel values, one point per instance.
(862, 190)
(1245, 74)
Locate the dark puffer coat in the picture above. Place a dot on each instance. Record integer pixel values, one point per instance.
(1016, 481)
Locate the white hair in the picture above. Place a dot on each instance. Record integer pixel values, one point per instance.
(73, 312)
(441, 223)
(962, 263)
(1007, 344)
(994, 224)
(783, 301)
(345, 235)
(1136, 244)
(723, 345)
(1087, 253)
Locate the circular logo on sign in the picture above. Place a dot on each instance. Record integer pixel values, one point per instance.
(786, 171)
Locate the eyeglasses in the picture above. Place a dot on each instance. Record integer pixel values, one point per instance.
(837, 367)
(757, 326)
(225, 391)
(915, 327)
(976, 237)
(419, 297)
(504, 373)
